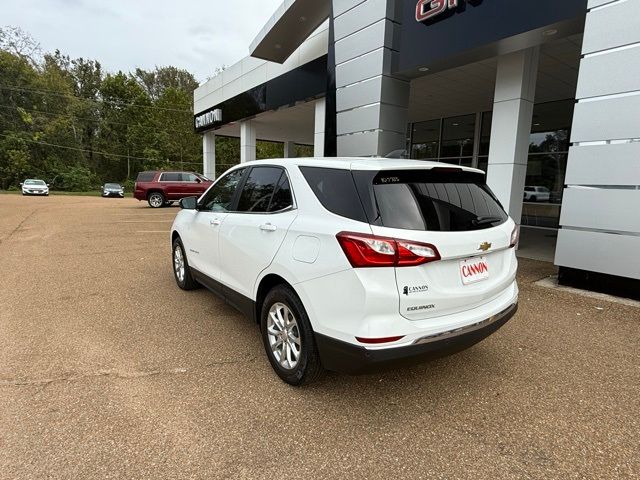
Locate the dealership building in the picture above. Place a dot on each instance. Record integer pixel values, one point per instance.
(543, 95)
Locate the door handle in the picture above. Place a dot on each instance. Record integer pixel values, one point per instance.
(215, 222)
(268, 227)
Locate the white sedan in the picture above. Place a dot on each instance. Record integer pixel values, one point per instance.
(32, 186)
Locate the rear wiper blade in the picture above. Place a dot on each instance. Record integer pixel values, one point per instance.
(485, 220)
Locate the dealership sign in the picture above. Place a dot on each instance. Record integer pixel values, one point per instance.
(208, 118)
(431, 9)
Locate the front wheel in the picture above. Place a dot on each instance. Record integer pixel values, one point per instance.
(181, 270)
(156, 200)
(288, 337)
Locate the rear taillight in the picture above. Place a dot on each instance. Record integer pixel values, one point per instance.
(515, 236)
(364, 250)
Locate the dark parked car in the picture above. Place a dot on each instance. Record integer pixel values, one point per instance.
(163, 188)
(112, 190)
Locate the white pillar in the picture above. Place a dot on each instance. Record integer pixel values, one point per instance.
(511, 127)
(289, 149)
(209, 155)
(247, 141)
(318, 131)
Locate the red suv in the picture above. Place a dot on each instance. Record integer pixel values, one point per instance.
(164, 188)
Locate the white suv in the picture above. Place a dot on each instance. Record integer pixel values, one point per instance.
(351, 264)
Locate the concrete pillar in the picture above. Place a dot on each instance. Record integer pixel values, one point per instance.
(209, 155)
(247, 141)
(318, 131)
(289, 149)
(511, 127)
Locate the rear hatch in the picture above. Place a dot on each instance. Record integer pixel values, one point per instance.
(454, 213)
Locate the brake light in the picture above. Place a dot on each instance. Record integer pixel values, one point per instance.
(515, 236)
(365, 250)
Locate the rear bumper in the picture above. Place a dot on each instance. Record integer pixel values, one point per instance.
(345, 357)
(139, 195)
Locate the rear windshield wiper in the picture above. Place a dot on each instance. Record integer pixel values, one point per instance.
(485, 220)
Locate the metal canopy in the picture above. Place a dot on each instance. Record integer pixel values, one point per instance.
(291, 25)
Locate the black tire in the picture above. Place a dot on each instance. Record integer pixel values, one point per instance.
(156, 200)
(308, 368)
(187, 282)
(534, 198)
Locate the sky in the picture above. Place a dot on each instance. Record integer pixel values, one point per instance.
(197, 35)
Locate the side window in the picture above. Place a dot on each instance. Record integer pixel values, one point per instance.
(336, 191)
(258, 189)
(282, 196)
(188, 177)
(219, 196)
(171, 177)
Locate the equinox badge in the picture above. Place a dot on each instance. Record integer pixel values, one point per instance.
(484, 246)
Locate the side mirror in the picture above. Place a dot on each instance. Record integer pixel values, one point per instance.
(48, 185)
(189, 203)
(198, 180)
(21, 184)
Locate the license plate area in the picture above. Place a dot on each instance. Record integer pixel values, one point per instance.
(473, 270)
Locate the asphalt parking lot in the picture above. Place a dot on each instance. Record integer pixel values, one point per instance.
(108, 370)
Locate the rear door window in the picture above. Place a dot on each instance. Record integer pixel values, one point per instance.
(258, 189)
(435, 201)
(282, 197)
(171, 177)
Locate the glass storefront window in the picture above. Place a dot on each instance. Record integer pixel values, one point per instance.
(451, 140)
(425, 140)
(457, 137)
(485, 133)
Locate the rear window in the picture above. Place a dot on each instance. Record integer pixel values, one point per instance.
(171, 177)
(336, 191)
(439, 200)
(145, 177)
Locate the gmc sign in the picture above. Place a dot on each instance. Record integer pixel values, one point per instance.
(430, 9)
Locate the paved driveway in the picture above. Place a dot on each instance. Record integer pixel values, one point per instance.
(108, 370)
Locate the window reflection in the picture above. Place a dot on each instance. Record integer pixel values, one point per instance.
(451, 140)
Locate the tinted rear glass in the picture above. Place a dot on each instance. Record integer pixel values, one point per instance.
(171, 177)
(435, 201)
(282, 196)
(336, 191)
(145, 177)
(258, 189)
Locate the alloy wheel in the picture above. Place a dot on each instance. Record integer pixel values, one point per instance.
(155, 200)
(284, 336)
(178, 263)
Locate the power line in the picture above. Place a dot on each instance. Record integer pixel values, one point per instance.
(130, 157)
(119, 104)
(70, 115)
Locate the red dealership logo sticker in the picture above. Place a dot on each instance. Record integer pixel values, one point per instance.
(473, 270)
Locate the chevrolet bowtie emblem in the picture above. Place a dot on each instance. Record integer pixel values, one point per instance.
(484, 246)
